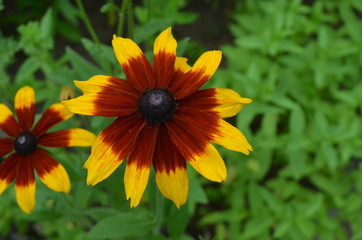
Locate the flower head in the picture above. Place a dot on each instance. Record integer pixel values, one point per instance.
(25, 143)
(162, 119)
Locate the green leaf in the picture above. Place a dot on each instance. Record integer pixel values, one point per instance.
(321, 124)
(63, 76)
(82, 67)
(297, 121)
(306, 227)
(281, 229)
(178, 221)
(68, 31)
(131, 224)
(102, 54)
(297, 161)
(44, 215)
(108, 7)
(196, 193)
(272, 201)
(150, 29)
(330, 155)
(251, 42)
(255, 199)
(352, 22)
(26, 70)
(47, 25)
(257, 226)
(327, 185)
(182, 46)
(100, 213)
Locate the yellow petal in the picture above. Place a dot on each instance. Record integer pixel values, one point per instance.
(181, 64)
(93, 85)
(230, 102)
(81, 137)
(57, 179)
(102, 162)
(5, 113)
(4, 183)
(231, 138)
(208, 63)
(125, 49)
(25, 196)
(24, 98)
(165, 42)
(209, 164)
(135, 182)
(82, 105)
(101, 83)
(174, 185)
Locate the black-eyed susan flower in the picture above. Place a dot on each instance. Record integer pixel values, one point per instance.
(25, 146)
(162, 119)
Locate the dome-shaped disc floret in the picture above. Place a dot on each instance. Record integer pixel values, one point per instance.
(157, 106)
(25, 143)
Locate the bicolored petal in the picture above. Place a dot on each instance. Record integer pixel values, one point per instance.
(170, 168)
(225, 102)
(200, 73)
(134, 63)
(8, 171)
(164, 58)
(111, 147)
(25, 107)
(231, 138)
(104, 96)
(138, 164)
(7, 121)
(55, 114)
(51, 172)
(6, 146)
(67, 138)
(25, 184)
(194, 145)
(174, 185)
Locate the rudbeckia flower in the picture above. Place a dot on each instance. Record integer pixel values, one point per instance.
(25, 143)
(162, 119)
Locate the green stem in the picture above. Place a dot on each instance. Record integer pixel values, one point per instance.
(87, 22)
(130, 19)
(159, 212)
(122, 18)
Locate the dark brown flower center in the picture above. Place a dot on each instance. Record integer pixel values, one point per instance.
(25, 143)
(157, 106)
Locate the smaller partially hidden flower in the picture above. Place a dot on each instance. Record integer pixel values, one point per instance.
(25, 146)
(66, 93)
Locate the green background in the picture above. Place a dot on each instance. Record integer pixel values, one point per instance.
(300, 62)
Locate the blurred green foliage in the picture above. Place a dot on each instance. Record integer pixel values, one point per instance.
(299, 61)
